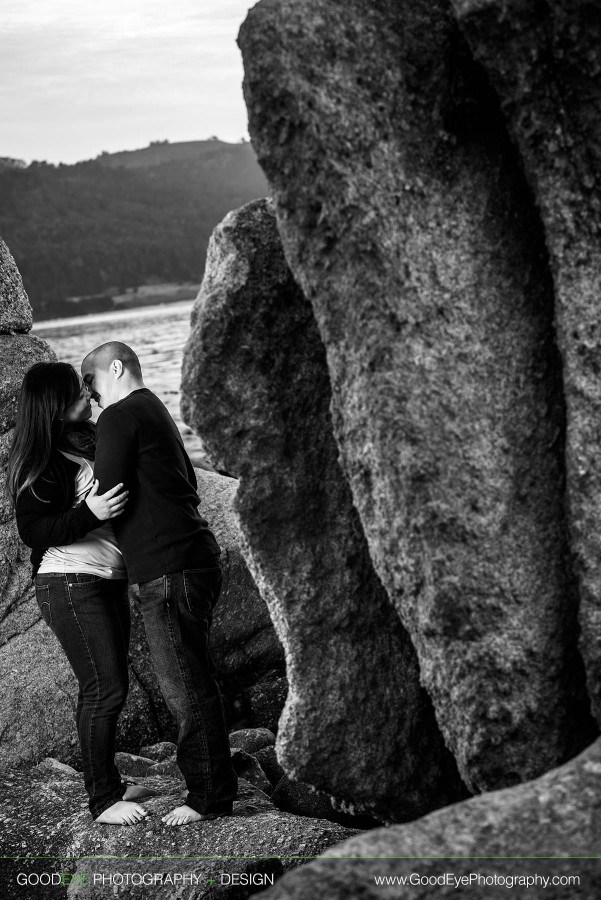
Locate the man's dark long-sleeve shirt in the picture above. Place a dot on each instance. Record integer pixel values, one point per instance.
(160, 530)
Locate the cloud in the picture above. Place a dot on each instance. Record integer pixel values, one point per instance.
(80, 78)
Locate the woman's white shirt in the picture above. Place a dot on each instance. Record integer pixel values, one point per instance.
(97, 553)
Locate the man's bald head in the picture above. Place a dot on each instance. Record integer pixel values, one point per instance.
(111, 371)
(102, 357)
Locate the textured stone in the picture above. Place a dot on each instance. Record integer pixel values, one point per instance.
(46, 814)
(255, 386)
(15, 310)
(167, 766)
(300, 799)
(544, 59)
(159, 752)
(267, 759)
(252, 739)
(18, 609)
(53, 765)
(249, 768)
(408, 223)
(132, 764)
(18, 352)
(530, 829)
(266, 701)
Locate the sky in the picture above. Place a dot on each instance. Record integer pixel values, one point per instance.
(78, 78)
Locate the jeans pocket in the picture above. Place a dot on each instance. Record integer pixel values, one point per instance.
(86, 578)
(82, 592)
(202, 588)
(42, 596)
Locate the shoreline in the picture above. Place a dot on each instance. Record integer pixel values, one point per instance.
(112, 315)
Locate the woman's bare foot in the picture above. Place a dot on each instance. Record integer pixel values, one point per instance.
(122, 813)
(183, 815)
(136, 791)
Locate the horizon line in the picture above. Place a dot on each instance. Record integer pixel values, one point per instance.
(244, 139)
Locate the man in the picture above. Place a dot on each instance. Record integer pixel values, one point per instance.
(172, 555)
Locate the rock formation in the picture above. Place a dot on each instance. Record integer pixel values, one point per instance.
(544, 61)
(537, 826)
(255, 384)
(15, 310)
(407, 220)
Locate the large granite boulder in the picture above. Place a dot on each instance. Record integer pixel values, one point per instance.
(513, 841)
(544, 60)
(356, 724)
(46, 823)
(407, 221)
(15, 309)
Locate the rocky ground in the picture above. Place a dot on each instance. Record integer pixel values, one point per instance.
(276, 824)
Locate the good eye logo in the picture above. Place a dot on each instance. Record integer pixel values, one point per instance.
(54, 878)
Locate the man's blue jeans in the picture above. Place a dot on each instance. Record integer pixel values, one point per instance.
(177, 610)
(90, 616)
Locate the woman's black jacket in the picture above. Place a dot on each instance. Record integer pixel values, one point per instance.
(50, 520)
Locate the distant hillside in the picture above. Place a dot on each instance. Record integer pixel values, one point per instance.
(123, 219)
(163, 151)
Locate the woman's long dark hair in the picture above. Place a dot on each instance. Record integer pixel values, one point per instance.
(48, 389)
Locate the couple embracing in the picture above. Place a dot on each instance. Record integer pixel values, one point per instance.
(100, 507)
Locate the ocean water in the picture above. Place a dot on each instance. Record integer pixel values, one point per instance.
(158, 335)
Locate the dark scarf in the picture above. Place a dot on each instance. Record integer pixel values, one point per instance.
(78, 438)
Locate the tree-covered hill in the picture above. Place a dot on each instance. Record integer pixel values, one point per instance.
(123, 219)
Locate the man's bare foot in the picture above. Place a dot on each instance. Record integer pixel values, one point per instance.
(122, 813)
(136, 791)
(183, 815)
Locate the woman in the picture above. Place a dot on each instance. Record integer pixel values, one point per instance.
(80, 579)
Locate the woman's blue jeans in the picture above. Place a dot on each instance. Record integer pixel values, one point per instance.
(90, 616)
(177, 610)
